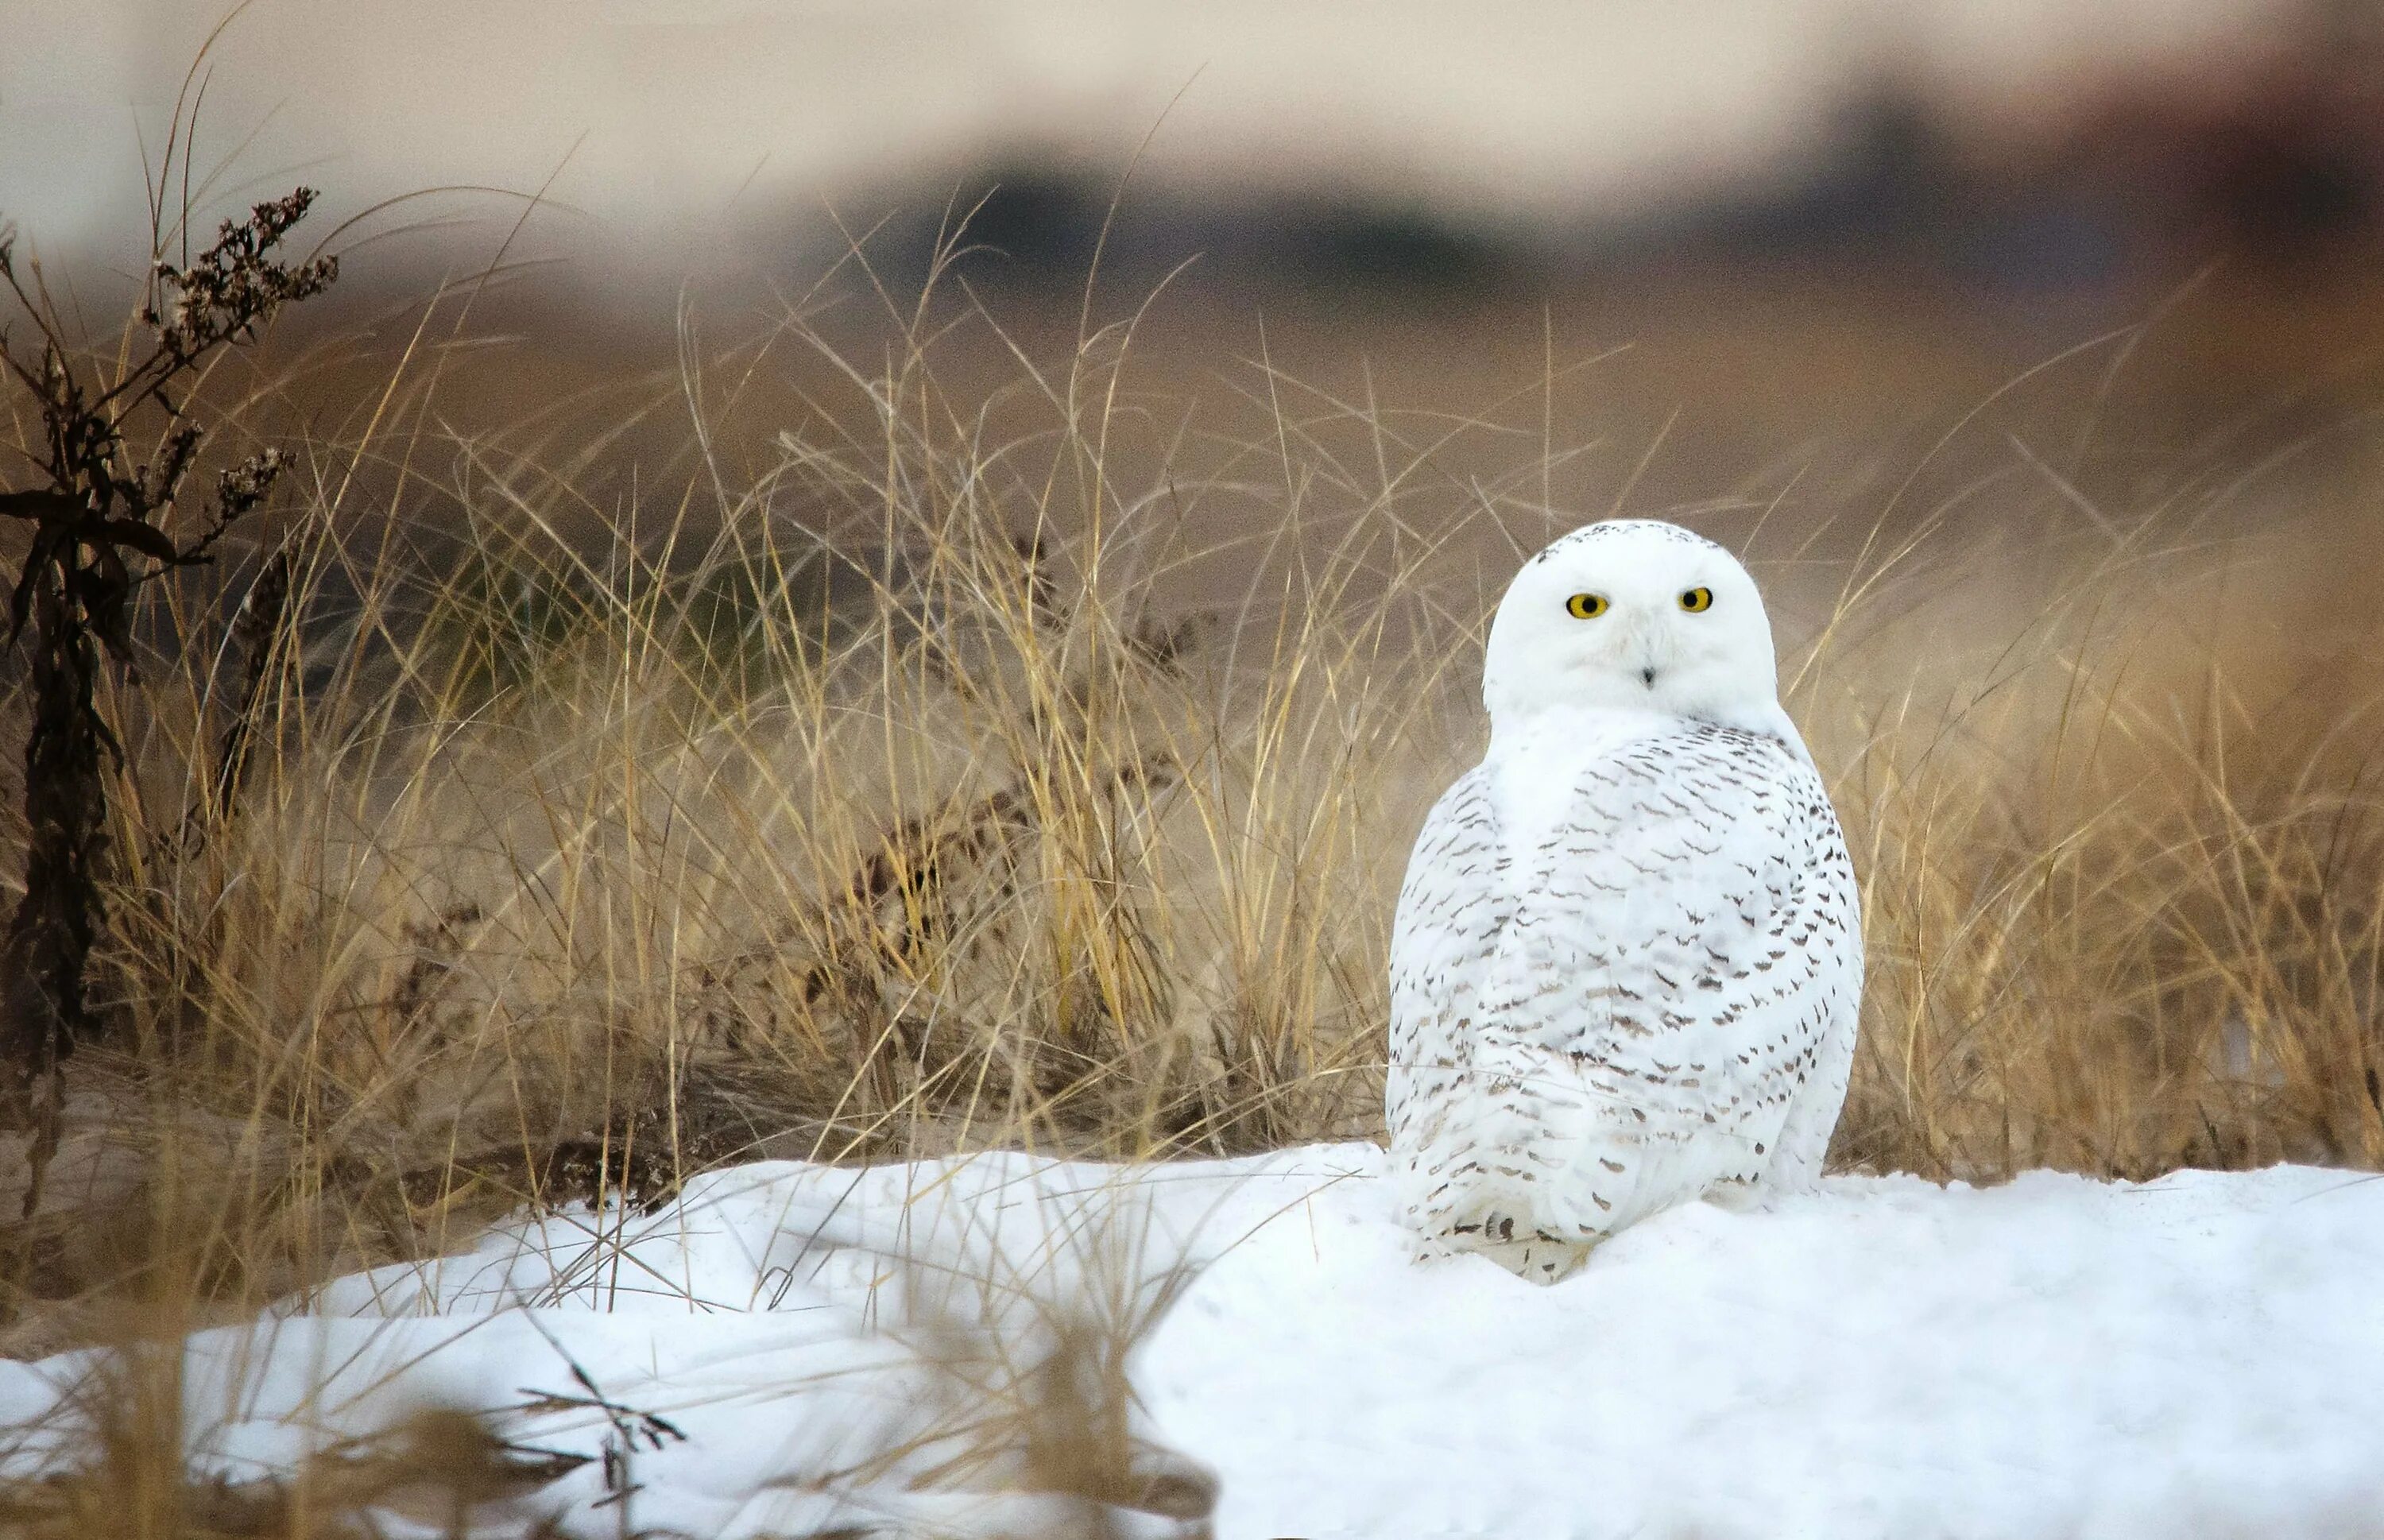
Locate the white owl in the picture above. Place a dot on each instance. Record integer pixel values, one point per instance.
(1628, 955)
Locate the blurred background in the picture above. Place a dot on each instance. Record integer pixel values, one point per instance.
(2031, 351)
(1761, 256)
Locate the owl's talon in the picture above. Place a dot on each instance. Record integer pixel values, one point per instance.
(1431, 1248)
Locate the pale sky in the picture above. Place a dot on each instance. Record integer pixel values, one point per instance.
(654, 117)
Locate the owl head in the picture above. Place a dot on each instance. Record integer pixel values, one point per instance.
(1634, 614)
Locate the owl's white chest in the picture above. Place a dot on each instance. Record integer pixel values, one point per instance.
(1535, 769)
(1535, 774)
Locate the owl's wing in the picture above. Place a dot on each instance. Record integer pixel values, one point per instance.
(1698, 909)
(1454, 906)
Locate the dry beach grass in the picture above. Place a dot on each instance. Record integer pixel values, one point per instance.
(1009, 754)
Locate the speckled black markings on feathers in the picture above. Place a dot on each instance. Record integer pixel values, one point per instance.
(1613, 528)
(1661, 1004)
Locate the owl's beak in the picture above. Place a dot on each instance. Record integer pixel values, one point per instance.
(1645, 640)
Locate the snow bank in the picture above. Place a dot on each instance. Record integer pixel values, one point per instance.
(793, 1349)
(2200, 1355)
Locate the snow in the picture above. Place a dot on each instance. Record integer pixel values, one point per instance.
(829, 1347)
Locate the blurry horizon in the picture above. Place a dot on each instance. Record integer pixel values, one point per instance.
(667, 130)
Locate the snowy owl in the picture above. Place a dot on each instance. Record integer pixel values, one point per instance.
(1628, 954)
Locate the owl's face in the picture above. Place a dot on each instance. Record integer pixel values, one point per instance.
(1633, 614)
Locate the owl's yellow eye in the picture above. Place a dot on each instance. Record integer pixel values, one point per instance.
(1586, 606)
(1695, 600)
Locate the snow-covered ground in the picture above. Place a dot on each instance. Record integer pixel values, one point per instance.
(792, 1349)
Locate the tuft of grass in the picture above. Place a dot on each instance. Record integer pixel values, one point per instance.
(2123, 858)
